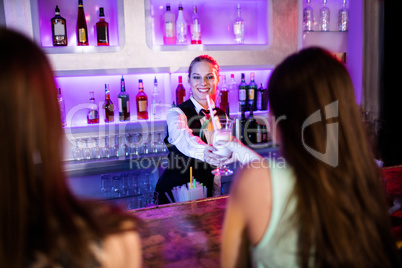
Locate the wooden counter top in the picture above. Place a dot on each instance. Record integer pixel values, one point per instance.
(183, 234)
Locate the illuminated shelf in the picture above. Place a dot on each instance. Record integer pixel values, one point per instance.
(43, 10)
(216, 19)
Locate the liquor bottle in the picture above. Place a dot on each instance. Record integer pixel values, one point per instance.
(264, 132)
(180, 92)
(238, 27)
(224, 104)
(142, 102)
(156, 102)
(324, 17)
(258, 134)
(181, 27)
(252, 92)
(343, 18)
(124, 102)
(82, 31)
(233, 95)
(108, 106)
(93, 113)
(243, 121)
(251, 128)
(217, 92)
(62, 106)
(195, 27)
(308, 17)
(242, 94)
(169, 27)
(102, 29)
(259, 99)
(59, 29)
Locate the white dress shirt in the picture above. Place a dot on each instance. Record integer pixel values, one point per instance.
(182, 136)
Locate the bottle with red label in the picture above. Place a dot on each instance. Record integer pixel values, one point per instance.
(180, 92)
(142, 102)
(108, 106)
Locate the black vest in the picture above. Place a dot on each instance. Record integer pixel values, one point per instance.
(178, 170)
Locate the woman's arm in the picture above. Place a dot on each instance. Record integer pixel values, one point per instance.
(247, 214)
(182, 136)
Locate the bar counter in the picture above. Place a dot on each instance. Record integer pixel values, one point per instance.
(185, 234)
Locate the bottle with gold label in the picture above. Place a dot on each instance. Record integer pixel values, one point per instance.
(82, 31)
(142, 102)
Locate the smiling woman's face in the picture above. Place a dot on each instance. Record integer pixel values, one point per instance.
(203, 81)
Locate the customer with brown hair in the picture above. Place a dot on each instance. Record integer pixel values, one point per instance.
(42, 224)
(324, 206)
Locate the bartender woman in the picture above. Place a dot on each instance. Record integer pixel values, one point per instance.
(186, 147)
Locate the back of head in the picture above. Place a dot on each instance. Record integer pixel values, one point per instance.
(30, 140)
(340, 210)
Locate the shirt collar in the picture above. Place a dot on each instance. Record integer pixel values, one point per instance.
(198, 106)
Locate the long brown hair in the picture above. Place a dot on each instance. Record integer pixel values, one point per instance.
(38, 212)
(341, 210)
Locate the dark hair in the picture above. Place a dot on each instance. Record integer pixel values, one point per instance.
(39, 214)
(206, 58)
(341, 209)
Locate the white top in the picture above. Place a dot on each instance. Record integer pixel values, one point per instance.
(182, 136)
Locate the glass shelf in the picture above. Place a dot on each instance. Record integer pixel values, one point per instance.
(43, 10)
(216, 19)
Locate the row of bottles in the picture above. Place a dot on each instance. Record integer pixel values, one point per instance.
(175, 30)
(59, 28)
(250, 131)
(232, 97)
(124, 105)
(324, 17)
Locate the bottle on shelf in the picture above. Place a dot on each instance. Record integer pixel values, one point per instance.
(102, 29)
(242, 122)
(195, 27)
(59, 29)
(259, 99)
(180, 92)
(233, 95)
(308, 17)
(258, 134)
(156, 101)
(238, 27)
(324, 17)
(142, 102)
(169, 27)
(62, 106)
(251, 128)
(108, 106)
(252, 92)
(124, 102)
(217, 92)
(224, 93)
(181, 27)
(82, 30)
(343, 18)
(93, 112)
(242, 94)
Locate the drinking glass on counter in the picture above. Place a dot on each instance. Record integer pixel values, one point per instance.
(96, 150)
(106, 150)
(125, 149)
(77, 151)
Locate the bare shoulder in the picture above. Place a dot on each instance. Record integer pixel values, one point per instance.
(251, 177)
